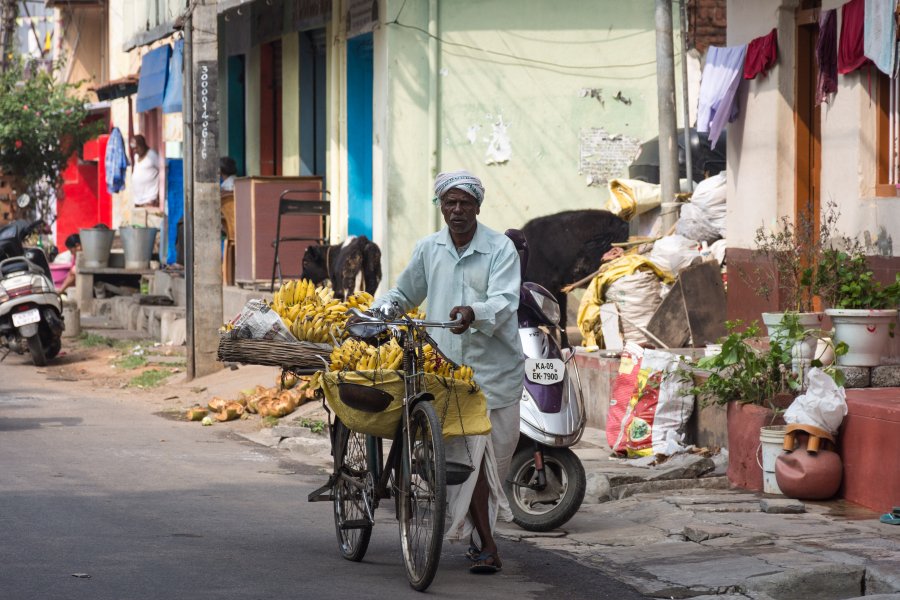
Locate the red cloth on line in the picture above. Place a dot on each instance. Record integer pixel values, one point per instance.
(851, 48)
(761, 55)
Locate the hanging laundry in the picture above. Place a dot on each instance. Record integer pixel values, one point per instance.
(718, 86)
(116, 162)
(761, 55)
(851, 53)
(880, 34)
(826, 56)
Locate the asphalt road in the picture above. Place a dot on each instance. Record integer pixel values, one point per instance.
(102, 499)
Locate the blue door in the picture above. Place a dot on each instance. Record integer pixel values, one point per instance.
(359, 134)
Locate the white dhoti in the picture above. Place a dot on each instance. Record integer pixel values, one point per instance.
(493, 452)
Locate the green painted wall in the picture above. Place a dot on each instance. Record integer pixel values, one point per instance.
(290, 104)
(532, 64)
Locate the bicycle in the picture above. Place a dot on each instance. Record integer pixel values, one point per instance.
(414, 472)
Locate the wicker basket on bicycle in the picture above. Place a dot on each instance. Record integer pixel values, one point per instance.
(273, 353)
(371, 402)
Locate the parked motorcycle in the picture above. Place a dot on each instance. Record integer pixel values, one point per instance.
(546, 482)
(30, 309)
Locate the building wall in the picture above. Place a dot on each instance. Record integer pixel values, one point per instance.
(523, 91)
(761, 142)
(84, 45)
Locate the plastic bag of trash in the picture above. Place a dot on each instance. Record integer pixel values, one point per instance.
(630, 197)
(824, 404)
(694, 224)
(637, 297)
(674, 253)
(258, 321)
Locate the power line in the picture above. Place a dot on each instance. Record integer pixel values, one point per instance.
(515, 57)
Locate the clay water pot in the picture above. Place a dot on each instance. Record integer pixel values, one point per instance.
(811, 469)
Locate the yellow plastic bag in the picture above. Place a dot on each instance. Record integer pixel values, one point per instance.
(464, 404)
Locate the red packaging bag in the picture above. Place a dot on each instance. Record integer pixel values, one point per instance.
(624, 388)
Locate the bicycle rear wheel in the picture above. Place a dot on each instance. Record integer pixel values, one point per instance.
(423, 496)
(353, 493)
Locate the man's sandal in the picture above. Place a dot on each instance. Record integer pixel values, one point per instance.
(473, 552)
(483, 566)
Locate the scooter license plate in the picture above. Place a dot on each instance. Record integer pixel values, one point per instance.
(26, 317)
(544, 371)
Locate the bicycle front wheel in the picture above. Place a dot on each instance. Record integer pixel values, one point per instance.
(353, 493)
(423, 496)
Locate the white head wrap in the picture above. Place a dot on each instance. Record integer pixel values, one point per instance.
(463, 180)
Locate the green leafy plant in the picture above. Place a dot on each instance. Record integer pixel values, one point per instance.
(752, 372)
(42, 124)
(850, 282)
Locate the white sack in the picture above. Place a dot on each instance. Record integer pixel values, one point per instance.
(674, 402)
(824, 404)
(674, 253)
(637, 298)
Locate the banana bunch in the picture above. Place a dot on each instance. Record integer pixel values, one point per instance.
(311, 313)
(434, 363)
(356, 355)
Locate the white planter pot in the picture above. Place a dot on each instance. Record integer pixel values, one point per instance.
(864, 331)
(806, 349)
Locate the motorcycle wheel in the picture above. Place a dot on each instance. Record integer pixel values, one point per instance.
(552, 507)
(36, 348)
(53, 348)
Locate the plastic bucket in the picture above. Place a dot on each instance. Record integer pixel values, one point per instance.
(95, 246)
(771, 442)
(59, 271)
(137, 244)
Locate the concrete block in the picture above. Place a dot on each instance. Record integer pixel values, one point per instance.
(856, 377)
(173, 332)
(781, 506)
(708, 426)
(701, 533)
(597, 489)
(886, 376)
(649, 487)
(883, 578)
(825, 581)
(682, 466)
(878, 597)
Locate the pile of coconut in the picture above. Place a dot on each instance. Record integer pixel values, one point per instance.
(277, 401)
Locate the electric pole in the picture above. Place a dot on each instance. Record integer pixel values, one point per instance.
(668, 143)
(9, 10)
(203, 271)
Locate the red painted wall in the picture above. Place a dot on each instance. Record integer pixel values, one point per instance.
(85, 200)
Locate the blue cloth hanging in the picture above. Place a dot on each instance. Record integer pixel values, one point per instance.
(116, 162)
(175, 83)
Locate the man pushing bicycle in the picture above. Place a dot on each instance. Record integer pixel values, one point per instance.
(470, 272)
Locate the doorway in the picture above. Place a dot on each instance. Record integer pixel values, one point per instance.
(312, 102)
(808, 122)
(360, 71)
(270, 109)
(237, 113)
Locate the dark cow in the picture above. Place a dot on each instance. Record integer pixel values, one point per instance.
(566, 247)
(342, 263)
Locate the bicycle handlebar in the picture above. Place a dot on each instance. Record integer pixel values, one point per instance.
(405, 321)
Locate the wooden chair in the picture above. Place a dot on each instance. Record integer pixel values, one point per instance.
(301, 203)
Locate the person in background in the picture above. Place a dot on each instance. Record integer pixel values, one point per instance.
(73, 247)
(144, 174)
(227, 173)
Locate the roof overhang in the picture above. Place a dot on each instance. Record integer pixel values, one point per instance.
(117, 88)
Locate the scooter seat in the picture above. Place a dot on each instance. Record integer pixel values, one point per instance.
(14, 265)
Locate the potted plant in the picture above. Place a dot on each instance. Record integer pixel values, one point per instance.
(863, 311)
(792, 255)
(754, 379)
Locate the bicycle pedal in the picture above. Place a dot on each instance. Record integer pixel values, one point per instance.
(356, 524)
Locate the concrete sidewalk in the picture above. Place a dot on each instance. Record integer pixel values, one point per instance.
(674, 530)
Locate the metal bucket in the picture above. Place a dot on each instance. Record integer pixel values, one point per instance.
(137, 243)
(95, 246)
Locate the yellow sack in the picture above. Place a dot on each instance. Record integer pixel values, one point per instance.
(630, 197)
(457, 398)
(589, 309)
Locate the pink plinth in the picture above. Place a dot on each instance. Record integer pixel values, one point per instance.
(869, 444)
(744, 423)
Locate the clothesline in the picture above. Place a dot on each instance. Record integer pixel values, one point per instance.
(868, 37)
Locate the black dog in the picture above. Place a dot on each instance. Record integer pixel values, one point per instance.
(566, 247)
(342, 263)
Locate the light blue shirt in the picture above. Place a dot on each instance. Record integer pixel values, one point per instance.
(486, 277)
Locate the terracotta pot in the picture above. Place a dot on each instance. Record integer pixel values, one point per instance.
(744, 423)
(810, 470)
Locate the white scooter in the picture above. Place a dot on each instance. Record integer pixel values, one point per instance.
(30, 309)
(546, 482)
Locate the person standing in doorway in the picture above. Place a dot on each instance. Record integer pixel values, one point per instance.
(145, 174)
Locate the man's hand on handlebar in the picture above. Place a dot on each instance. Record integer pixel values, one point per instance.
(465, 314)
